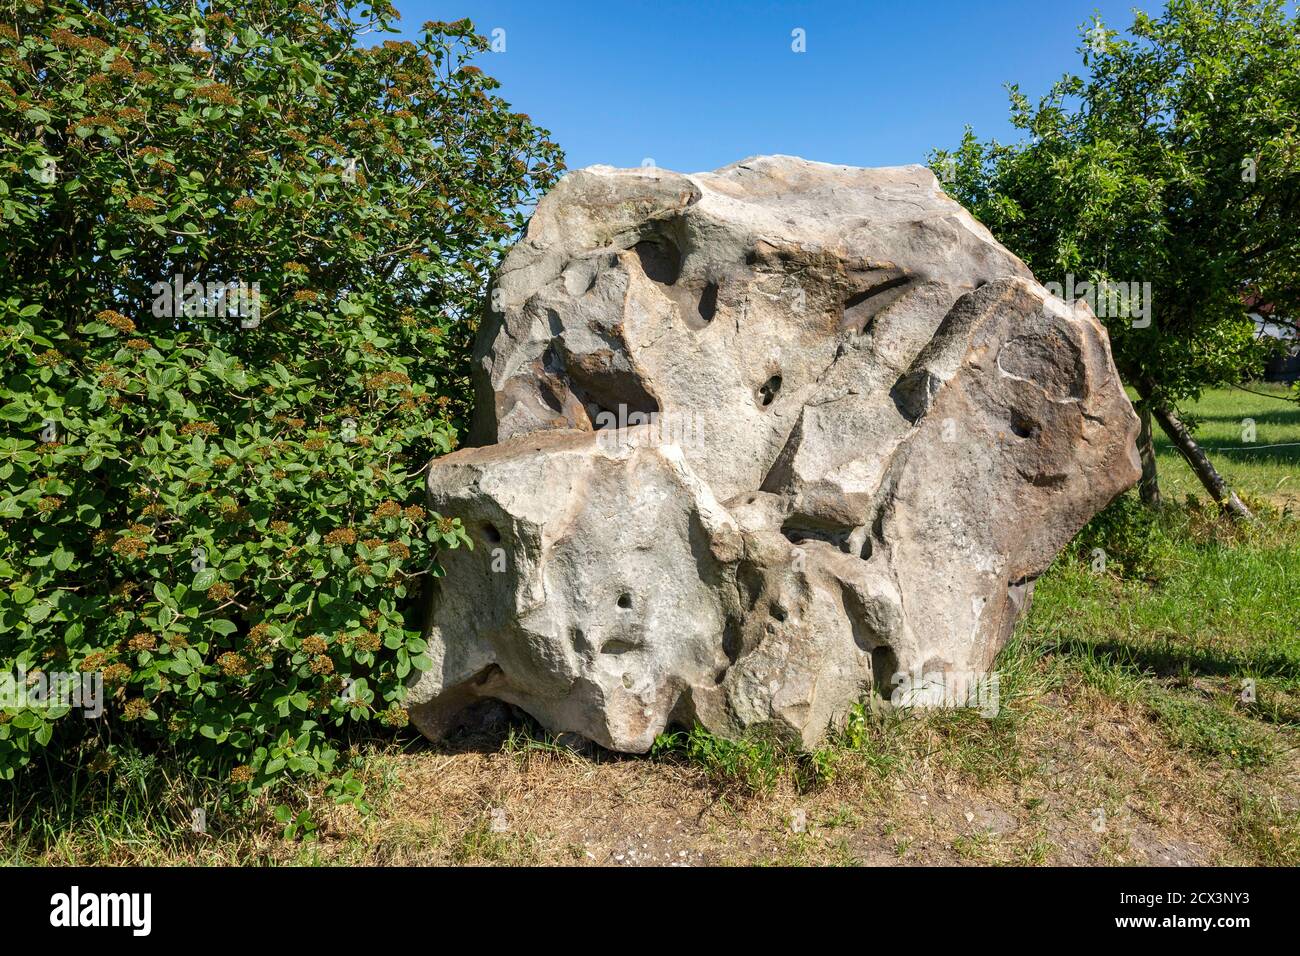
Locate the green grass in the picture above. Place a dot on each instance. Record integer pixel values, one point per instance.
(1219, 419)
(1217, 625)
(752, 765)
(61, 809)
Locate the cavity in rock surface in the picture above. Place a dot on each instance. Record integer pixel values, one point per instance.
(750, 442)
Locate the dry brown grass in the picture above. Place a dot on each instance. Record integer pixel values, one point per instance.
(946, 794)
(1077, 751)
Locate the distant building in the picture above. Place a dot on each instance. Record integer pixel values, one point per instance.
(1284, 366)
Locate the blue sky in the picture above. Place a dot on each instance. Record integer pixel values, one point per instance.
(696, 85)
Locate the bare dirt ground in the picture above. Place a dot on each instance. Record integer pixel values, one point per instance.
(1087, 782)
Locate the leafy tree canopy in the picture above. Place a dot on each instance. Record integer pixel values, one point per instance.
(1174, 161)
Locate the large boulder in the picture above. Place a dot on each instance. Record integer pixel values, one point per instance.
(752, 442)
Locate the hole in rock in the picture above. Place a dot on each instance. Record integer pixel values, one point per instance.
(552, 360)
(492, 534)
(732, 644)
(867, 549)
(865, 637)
(884, 664)
(778, 611)
(767, 391)
(708, 306)
(546, 389)
(878, 525)
(617, 646)
(600, 416)
(608, 386)
(681, 723)
(1021, 426)
(836, 537)
(625, 600)
(660, 261)
(483, 725)
(578, 638)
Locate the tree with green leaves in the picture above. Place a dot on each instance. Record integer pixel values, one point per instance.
(1174, 161)
(245, 245)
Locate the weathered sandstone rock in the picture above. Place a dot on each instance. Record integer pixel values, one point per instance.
(752, 442)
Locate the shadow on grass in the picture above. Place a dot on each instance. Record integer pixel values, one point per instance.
(1172, 660)
(1281, 416)
(1236, 455)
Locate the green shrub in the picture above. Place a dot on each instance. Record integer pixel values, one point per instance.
(214, 502)
(753, 763)
(1127, 535)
